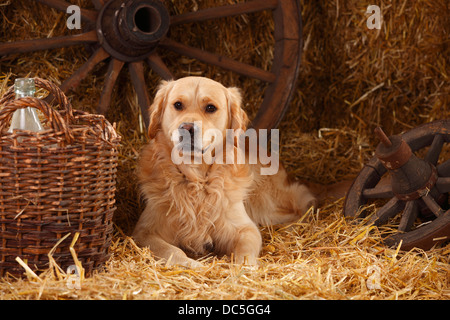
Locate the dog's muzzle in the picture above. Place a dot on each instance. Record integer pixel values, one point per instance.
(190, 137)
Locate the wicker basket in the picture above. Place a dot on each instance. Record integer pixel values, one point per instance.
(55, 182)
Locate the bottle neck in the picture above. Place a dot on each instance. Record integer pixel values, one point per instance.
(24, 87)
(23, 94)
(25, 118)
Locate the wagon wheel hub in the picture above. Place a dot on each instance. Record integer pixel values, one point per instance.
(416, 189)
(129, 31)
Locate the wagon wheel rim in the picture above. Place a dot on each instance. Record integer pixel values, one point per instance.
(281, 78)
(371, 185)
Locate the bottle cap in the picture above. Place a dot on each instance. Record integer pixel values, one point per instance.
(24, 87)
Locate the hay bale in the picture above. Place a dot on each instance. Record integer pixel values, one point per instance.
(351, 80)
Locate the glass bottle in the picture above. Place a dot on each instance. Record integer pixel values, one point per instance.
(27, 118)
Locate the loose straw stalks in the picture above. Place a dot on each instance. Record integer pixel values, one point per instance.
(61, 275)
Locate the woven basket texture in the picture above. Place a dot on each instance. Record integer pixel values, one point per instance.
(55, 182)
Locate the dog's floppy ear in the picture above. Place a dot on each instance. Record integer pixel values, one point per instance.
(237, 115)
(156, 109)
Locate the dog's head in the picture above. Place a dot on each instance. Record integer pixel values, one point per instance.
(191, 108)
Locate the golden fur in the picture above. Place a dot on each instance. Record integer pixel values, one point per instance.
(195, 209)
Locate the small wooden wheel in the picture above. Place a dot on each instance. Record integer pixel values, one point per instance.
(129, 32)
(417, 189)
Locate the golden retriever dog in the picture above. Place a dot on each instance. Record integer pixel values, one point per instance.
(194, 208)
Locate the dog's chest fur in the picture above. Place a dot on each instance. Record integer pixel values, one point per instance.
(191, 210)
(196, 209)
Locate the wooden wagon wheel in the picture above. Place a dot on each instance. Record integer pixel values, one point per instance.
(128, 32)
(416, 188)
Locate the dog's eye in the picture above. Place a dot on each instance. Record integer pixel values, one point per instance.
(178, 105)
(210, 108)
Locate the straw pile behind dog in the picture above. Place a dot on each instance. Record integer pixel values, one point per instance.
(351, 80)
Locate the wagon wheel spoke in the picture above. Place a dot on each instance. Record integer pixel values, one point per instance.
(380, 191)
(219, 60)
(444, 169)
(136, 70)
(443, 184)
(82, 72)
(432, 205)
(47, 43)
(409, 216)
(86, 15)
(435, 149)
(158, 65)
(389, 210)
(114, 68)
(287, 51)
(224, 11)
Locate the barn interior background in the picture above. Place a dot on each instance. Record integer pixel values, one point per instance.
(351, 79)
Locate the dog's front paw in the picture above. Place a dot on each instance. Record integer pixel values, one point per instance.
(193, 264)
(247, 260)
(312, 203)
(308, 202)
(185, 262)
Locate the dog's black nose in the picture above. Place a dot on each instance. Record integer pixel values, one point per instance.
(189, 126)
